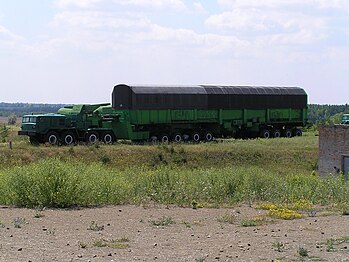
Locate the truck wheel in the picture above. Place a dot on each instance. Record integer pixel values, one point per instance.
(69, 138)
(196, 137)
(108, 138)
(298, 132)
(52, 138)
(277, 133)
(208, 136)
(164, 139)
(33, 140)
(177, 138)
(288, 133)
(92, 137)
(265, 133)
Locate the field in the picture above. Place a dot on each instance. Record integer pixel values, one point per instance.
(229, 200)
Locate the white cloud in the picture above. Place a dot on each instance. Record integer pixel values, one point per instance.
(198, 7)
(340, 4)
(6, 34)
(238, 19)
(103, 30)
(77, 3)
(259, 20)
(271, 26)
(159, 4)
(99, 20)
(189, 39)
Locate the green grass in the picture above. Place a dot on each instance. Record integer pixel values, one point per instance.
(299, 154)
(222, 173)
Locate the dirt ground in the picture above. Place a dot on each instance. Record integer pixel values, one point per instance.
(132, 233)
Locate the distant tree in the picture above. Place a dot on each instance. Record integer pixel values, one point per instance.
(12, 119)
(326, 114)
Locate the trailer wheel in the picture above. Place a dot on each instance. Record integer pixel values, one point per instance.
(185, 137)
(265, 133)
(153, 139)
(196, 137)
(298, 132)
(277, 133)
(108, 138)
(164, 139)
(177, 138)
(288, 133)
(92, 137)
(52, 138)
(208, 136)
(68, 138)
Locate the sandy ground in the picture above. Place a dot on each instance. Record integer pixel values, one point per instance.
(128, 233)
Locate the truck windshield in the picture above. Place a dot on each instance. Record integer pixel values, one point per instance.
(29, 119)
(345, 117)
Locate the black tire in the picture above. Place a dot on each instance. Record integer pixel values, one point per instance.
(288, 133)
(34, 141)
(185, 137)
(164, 138)
(154, 139)
(277, 133)
(298, 132)
(177, 138)
(265, 133)
(92, 137)
(196, 137)
(52, 138)
(108, 138)
(208, 136)
(68, 138)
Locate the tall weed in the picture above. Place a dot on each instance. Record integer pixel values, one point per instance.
(54, 182)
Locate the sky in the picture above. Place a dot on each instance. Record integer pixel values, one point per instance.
(76, 51)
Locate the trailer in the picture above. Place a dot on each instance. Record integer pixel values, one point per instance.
(197, 113)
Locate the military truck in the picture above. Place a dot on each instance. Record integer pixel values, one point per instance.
(175, 113)
(70, 125)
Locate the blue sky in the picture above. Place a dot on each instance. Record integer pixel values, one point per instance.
(75, 51)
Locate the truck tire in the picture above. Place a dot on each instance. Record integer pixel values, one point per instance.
(196, 137)
(265, 133)
(33, 140)
(69, 138)
(298, 132)
(92, 137)
(288, 133)
(164, 138)
(276, 133)
(154, 139)
(52, 138)
(177, 138)
(108, 137)
(208, 136)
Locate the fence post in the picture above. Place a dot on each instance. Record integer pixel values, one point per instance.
(10, 145)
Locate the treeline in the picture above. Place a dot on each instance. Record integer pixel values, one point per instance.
(317, 114)
(20, 109)
(326, 114)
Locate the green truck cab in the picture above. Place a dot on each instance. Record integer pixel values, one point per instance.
(41, 127)
(345, 119)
